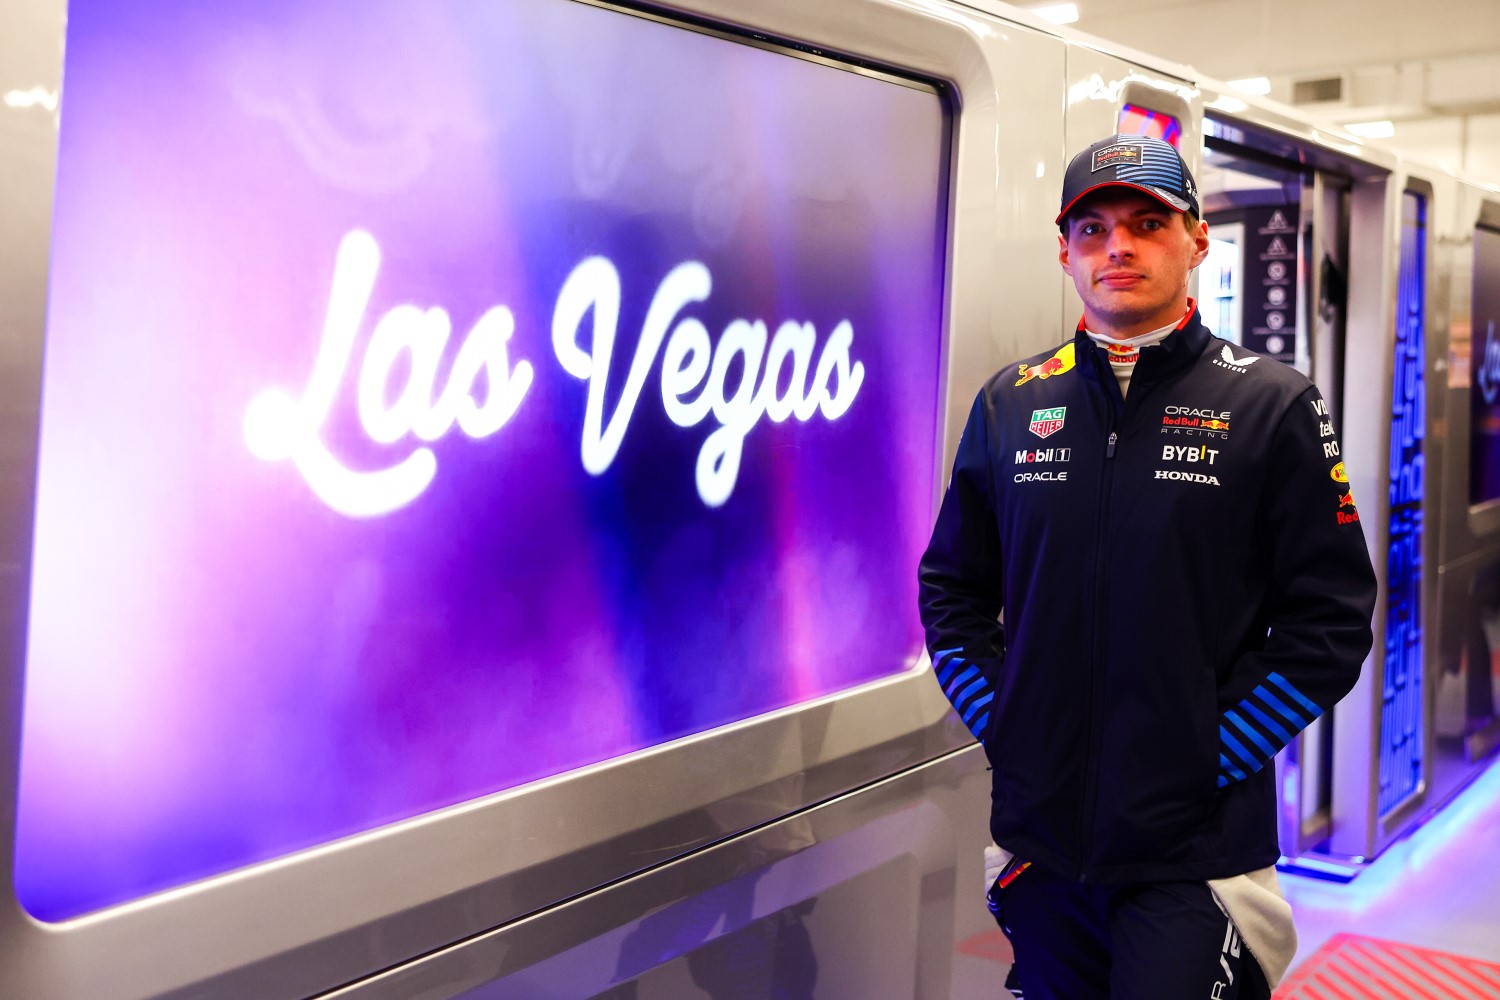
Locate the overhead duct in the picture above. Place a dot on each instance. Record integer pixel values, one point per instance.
(1320, 90)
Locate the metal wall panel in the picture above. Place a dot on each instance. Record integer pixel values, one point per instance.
(1374, 222)
(864, 896)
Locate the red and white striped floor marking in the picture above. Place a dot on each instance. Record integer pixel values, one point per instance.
(1352, 967)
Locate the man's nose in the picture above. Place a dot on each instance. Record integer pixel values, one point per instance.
(1120, 242)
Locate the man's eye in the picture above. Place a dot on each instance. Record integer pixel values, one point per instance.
(1092, 229)
(1151, 225)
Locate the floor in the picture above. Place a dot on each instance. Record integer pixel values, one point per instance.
(1438, 888)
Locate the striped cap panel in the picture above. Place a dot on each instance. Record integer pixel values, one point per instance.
(1157, 166)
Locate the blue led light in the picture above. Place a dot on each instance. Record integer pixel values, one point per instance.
(1401, 735)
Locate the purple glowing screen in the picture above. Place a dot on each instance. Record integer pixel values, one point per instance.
(443, 396)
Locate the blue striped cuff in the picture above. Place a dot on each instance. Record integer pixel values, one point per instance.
(1260, 726)
(966, 688)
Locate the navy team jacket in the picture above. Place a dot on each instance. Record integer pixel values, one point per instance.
(1183, 584)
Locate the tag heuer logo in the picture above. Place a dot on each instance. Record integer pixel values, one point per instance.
(1047, 422)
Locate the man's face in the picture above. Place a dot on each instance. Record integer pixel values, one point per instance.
(1130, 256)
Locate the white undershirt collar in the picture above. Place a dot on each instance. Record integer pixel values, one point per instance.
(1123, 354)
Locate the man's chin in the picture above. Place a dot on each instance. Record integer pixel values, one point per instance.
(1121, 317)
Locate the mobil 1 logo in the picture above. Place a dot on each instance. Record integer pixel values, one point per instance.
(1042, 465)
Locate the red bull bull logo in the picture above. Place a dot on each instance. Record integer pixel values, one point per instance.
(1059, 363)
(1215, 425)
(1347, 500)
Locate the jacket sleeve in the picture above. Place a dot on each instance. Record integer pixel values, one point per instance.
(1322, 596)
(960, 581)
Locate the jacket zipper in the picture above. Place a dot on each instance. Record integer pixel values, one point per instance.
(1089, 806)
(1121, 416)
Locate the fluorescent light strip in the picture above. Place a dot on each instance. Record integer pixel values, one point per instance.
(1228, 105)
(1373, 130)
(1057, 13)
(1258, 85)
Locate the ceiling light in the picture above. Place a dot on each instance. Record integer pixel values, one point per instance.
(1057, 13)
(1228, 105)
(1372, 130)
(1252, 85)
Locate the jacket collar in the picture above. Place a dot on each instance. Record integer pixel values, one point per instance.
(1180, 349)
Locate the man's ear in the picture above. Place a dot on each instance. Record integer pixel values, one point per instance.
(1062, 254)
(1200, 242)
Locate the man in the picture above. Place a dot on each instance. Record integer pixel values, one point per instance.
(1163, 524)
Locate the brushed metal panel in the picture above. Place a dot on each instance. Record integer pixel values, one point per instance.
(31, 44)
(1148, 61)
(857, 897)
(1374, 232)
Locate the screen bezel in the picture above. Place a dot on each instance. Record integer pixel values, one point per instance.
(1484, 515)
(773, 672)
(449, 874)
(1483, 519)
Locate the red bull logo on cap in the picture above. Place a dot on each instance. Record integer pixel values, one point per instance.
(1059, 363)
(1047, 421)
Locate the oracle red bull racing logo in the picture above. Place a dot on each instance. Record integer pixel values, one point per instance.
(1059, 363)
(1120, 152)
(1048, 421)
(1196, 422)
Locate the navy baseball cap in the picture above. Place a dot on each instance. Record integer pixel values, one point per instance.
(1141, 162)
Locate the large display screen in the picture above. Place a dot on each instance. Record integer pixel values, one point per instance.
(1484, 366)
(443, 396)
